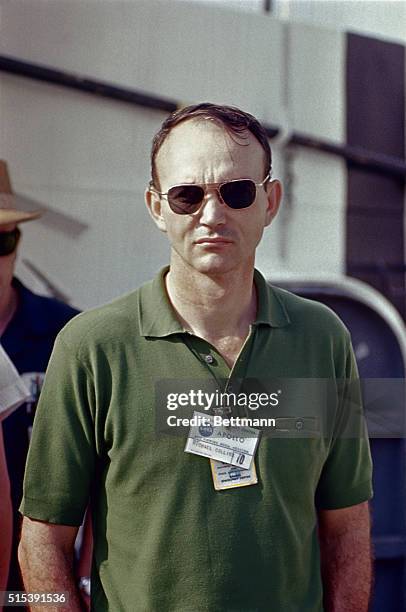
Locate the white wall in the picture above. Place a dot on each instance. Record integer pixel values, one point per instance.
(88, 158)
(377, 18)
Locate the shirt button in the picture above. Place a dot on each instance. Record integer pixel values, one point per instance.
(299, 424)
(209, 358)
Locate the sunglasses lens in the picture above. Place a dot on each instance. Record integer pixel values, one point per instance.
(185, 199)
(8, 242)
(239, 194)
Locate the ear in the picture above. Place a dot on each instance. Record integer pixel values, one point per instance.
(274, 197)
(153, 202)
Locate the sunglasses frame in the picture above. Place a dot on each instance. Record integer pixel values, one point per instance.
(205, 187)
(15, 233)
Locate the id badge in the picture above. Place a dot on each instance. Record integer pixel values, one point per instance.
(226, 476)
(235, 444)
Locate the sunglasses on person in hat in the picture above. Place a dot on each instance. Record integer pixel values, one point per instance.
(9, 241)
(10, 215)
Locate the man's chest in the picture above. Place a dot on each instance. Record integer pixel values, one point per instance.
(141, 406)
(229, 348)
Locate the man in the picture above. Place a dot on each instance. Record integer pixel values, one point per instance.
(164, 537)
(13, 393)
(29, 324)
(6, 521)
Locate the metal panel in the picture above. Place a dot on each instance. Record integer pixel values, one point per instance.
(375, 120)
(379, 341)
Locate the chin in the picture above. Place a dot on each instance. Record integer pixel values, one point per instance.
(214, 265)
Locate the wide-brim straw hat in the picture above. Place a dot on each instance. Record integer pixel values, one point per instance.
(10, 214)
(10, 211)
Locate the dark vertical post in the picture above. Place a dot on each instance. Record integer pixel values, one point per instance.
(375, 90)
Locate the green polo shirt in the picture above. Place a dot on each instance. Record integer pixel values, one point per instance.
(165, 540)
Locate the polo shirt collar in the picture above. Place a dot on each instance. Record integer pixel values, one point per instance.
(271, 309)
(158, 319)
(156, 315)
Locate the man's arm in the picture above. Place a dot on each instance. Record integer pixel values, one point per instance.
(46, 559)
(346, 559)
(6, 517)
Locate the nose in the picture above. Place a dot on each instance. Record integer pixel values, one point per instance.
(212, 211)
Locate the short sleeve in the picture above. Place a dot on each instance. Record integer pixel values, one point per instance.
(62, 455)
(346, 478)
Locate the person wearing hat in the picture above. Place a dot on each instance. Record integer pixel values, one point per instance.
(13, 393)
(9, 238)
(29, 324)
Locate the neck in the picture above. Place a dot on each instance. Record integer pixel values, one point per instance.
(8, 306)
(213, 306)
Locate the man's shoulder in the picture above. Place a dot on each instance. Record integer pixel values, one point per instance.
(108, 323)
(54, 307)
(308, 314)
(45, 313)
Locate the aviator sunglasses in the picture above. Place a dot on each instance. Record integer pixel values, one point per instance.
(236, 194)
(8, 241)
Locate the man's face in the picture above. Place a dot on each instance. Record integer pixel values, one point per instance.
(7, 263)
(215, 239)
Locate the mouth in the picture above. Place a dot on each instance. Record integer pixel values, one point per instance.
(216, 240)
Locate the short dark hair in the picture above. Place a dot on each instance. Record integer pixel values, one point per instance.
(231, 118)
